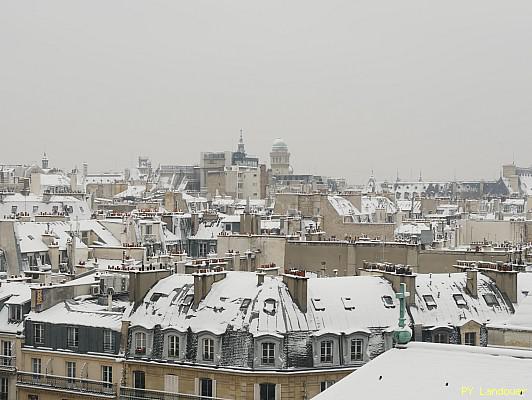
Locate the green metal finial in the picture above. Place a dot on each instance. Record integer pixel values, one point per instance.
(402, 335)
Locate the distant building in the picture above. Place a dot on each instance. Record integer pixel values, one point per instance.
(280, 158)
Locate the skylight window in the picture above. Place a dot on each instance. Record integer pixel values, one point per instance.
(156, 296)
(459, 299)
(429, 301)
(348, 303)
(388, 301)
(187, 301)
(245, 304)
(490, 299)
(318, 304)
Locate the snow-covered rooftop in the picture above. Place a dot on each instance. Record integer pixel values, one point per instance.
(270, 308)
(438, 371)
(447, 312)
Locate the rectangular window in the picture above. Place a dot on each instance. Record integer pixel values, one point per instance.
(140, 343)
(326, 351)
(36, 365)
(173, 346)
(38, 333)
(72, 336)
(15, 312)
(71, 370)
(356, 350)
(208, 349)
(171, 383)
(324, 385)
(6, 353)
(139, 380)
(470, 339)
(268, 353)
(107, 374)
(108, 341)
(267, 391)
(4, 388)
(206, 387)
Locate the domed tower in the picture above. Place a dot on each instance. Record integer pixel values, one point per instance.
(280, 158)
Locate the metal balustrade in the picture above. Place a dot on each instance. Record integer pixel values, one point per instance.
(59, 383)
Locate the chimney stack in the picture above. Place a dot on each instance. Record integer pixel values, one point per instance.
(297, 283)
(203, 280)
(471, 284)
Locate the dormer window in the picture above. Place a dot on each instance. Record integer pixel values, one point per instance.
(356, 349)
(326, 348)
(268, 353)
(173, 346)
(140, 343)
(208, 349)
(15, 313)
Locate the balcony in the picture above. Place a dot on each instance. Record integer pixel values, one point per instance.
(64, 384)
(127, 393)
(8, 363)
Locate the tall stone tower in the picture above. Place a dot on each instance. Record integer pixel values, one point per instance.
(280, 158)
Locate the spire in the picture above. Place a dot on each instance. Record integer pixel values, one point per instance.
(241, 143)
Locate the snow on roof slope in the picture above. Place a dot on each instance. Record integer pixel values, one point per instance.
(54, 180)
(30, 234)
(442, 287)
(441, 371)
(343, 206)
(206, 232)
(223, 305)
(371, 204)
(82, 312)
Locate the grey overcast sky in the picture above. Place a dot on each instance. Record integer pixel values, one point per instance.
(443, 87)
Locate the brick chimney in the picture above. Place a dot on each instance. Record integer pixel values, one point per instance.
(297, 283)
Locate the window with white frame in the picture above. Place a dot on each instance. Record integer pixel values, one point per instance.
(15, 312)
(107, 374)
(38, 333)
(72, 336)
(326, 349)
(36, 365)
(71, 370)
(108, 341)
(6, 352)
(268, 353)
(173, 346)
(140, 343)
(356, 349)
(208, 349)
